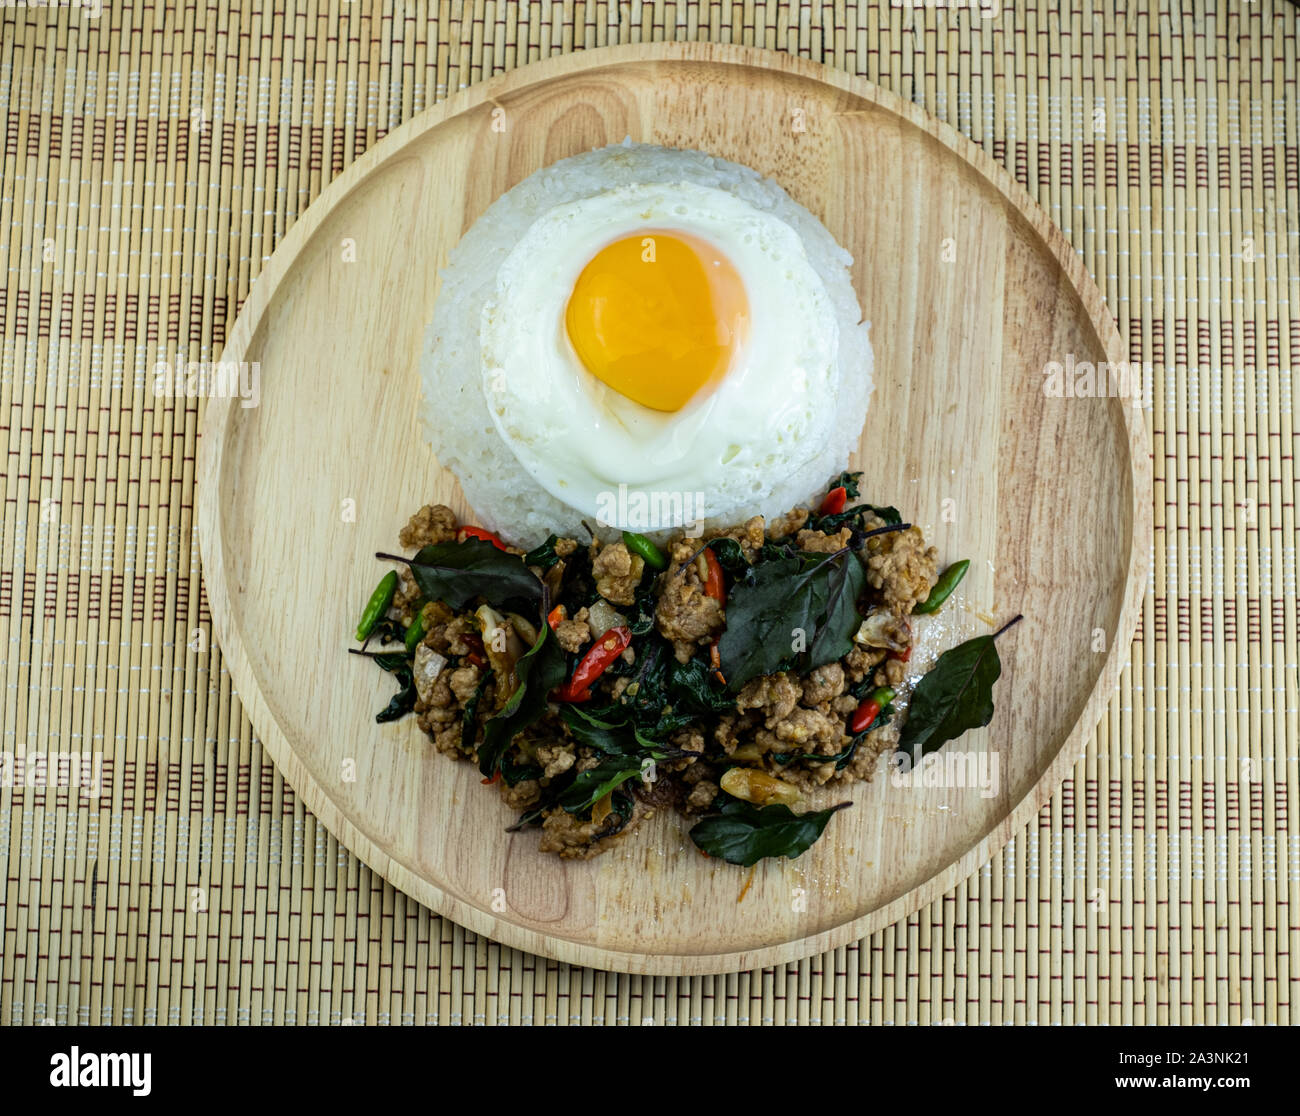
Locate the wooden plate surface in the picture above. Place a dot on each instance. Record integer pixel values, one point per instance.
(972, 293)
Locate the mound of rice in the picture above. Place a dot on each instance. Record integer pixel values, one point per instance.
(505, 497)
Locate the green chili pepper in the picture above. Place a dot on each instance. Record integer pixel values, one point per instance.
(378, 604)
(415, 632)
(948, 581)
(639, 544)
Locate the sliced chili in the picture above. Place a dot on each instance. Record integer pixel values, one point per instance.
(557, 616)
(835, 500)
(594, 663)
(714, 586)
(484, 534)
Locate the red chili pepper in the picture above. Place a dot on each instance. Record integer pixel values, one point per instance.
(867, 712)
(902, 656)
(835, 500)
(481, 533)
(714, 586)
(488, 782)
(556, 616)
(870, 709)
(594, 663)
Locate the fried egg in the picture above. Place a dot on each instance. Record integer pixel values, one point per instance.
(675, 345)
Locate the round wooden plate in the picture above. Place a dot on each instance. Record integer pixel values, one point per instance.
(972, 294)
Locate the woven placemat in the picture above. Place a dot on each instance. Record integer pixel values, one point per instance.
(151, 161)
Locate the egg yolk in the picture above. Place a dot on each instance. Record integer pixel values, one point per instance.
(657, 316)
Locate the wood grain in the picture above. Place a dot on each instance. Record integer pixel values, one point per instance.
(971, 291)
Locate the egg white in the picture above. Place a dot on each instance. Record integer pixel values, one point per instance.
(581, 440)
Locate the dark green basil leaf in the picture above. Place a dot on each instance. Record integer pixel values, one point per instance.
(593, 784)
(544, 556)
(469, 722)
(849, 482)
(591, 730)
(578, 589)
(641, 616)
(851, 517)
(458, 572)
(622, 805)
(776, 622)
(762, 619)
(956, 694)
(744, 834)
(539, 671)
(398, 664)
(647, 693)
(846, 581)
(614, 733)
(730, 556)
(692, 688)
(515, 773)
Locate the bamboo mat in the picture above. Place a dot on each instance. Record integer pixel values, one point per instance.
(152, 157)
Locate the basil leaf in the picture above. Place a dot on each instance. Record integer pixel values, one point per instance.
(730, 556)
(791, 596)
(743, 834)
(399, 666)
(955, 695)
(578, 588)
(662, 697)
(691, 689)
(761, 621)
(620, 803)
(774, 552)
(514, 773)
(539, 671)
(604, 736)
(641, 616)
(851, 517)
(544, 556)
(458, 572)
(618, 738)
(651, 682)
(849, 482)
(469, 721)
(593, 784)
(845, 583)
